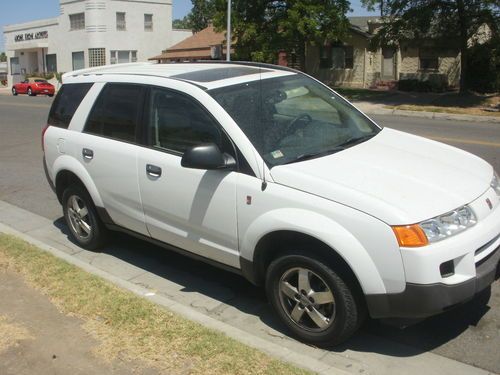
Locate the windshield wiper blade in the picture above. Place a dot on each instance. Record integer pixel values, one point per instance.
(313, 155)
(355, 140)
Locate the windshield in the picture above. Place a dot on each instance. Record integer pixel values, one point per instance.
(293, 118)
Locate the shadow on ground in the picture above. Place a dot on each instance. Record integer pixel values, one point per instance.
(234, 290)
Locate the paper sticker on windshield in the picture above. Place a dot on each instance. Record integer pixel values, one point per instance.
(277, 154)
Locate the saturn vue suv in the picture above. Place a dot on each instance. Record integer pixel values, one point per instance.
(266, 172)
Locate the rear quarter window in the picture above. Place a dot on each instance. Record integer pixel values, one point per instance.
(66, 103)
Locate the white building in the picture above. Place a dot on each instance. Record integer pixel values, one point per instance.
(90, 33)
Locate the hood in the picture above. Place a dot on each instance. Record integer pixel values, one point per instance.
(396, 177)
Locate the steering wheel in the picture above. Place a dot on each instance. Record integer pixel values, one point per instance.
(293, 126)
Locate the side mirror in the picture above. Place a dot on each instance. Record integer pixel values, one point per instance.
(208, 157)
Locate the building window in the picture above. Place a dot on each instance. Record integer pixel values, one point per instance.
(78, 59)
(51, 63)
(342, 57)
(15, 68)
(148, 22)
(77, 21)
(428, 59)
(97, 57)
(122, 57)
(121, 24)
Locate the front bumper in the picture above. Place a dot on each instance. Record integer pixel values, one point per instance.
(423, 300)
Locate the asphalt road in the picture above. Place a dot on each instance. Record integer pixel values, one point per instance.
(470, 333)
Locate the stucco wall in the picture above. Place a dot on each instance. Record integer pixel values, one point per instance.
(333, 76)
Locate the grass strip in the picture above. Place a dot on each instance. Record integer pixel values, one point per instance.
(130, 327)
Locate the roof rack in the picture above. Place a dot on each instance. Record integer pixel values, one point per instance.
(247, 63)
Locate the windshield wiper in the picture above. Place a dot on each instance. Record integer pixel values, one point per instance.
(356, 140)
(313, 155)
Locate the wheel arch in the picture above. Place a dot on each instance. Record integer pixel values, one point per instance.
(288, 229)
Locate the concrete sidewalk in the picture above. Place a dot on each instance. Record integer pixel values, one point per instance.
(218, 310)
(380, 109)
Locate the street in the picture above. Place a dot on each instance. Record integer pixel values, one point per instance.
(468, 334)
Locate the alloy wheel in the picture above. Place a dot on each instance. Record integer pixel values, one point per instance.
(79, 219)
(307, 299)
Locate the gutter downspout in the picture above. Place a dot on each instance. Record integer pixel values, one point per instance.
(364, 67)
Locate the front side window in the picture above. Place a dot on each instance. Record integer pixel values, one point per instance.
(177, 123)
(293, 118)
(66, 103)
(121, 24)
(116, 112)
(148, 22)
(77, 21)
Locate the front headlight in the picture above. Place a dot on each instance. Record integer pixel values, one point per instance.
(495, 183)
(449, 224)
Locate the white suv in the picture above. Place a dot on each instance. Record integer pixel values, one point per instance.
(266, 172)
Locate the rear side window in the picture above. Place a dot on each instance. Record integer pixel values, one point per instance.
(66, 103)
(116, 112)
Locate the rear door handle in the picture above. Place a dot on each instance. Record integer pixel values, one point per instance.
(87, 153)
(153, 170)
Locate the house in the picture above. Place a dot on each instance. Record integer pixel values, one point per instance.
(351, 61)
(206, 44)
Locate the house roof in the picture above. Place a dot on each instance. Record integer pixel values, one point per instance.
(196, 46)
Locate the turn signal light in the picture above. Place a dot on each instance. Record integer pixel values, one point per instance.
(410, 235)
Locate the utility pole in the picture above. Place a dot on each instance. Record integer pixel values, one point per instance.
(228, 32)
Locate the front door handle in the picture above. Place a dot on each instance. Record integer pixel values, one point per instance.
(87, 153)
(153, 170)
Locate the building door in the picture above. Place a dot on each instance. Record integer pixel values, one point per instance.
(78, 59)
(51, 63)
(388, 64)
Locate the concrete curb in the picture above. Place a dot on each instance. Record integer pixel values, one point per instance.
(430, 115)
(279, 352)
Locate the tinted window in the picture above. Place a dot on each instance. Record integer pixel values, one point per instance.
(66, 102)
(177, 123)
(116, 112)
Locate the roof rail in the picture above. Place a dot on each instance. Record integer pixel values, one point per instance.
(247, 63)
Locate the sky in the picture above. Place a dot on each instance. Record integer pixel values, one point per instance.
(17, 11)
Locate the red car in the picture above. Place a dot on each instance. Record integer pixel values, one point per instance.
(33, 86)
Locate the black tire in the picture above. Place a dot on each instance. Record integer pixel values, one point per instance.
(97, 232)
(50, 95)
(14, 91)
(348, 309)
(30, 92)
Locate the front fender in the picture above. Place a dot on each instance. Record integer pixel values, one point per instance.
(325, 230)
(65, 162)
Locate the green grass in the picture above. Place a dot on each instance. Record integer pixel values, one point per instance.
(131, 327)
(360, 94)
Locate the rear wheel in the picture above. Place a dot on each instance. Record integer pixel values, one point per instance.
(14, 91)
(81, 217)
(317, 304)
(50, 95)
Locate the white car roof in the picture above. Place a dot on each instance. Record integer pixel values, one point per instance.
(206, 75)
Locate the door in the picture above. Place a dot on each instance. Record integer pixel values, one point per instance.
(388, 72)
(189, 208)
(108, 150)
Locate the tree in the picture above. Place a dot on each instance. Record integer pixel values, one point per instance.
(264, 27)
(3, 57)
(449, 23)
(201, 15)
(181, 23)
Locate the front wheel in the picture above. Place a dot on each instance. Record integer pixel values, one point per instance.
(318, 305)
(81, 217)
(30, 92)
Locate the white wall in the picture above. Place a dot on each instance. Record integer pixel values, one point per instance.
(100, 32)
